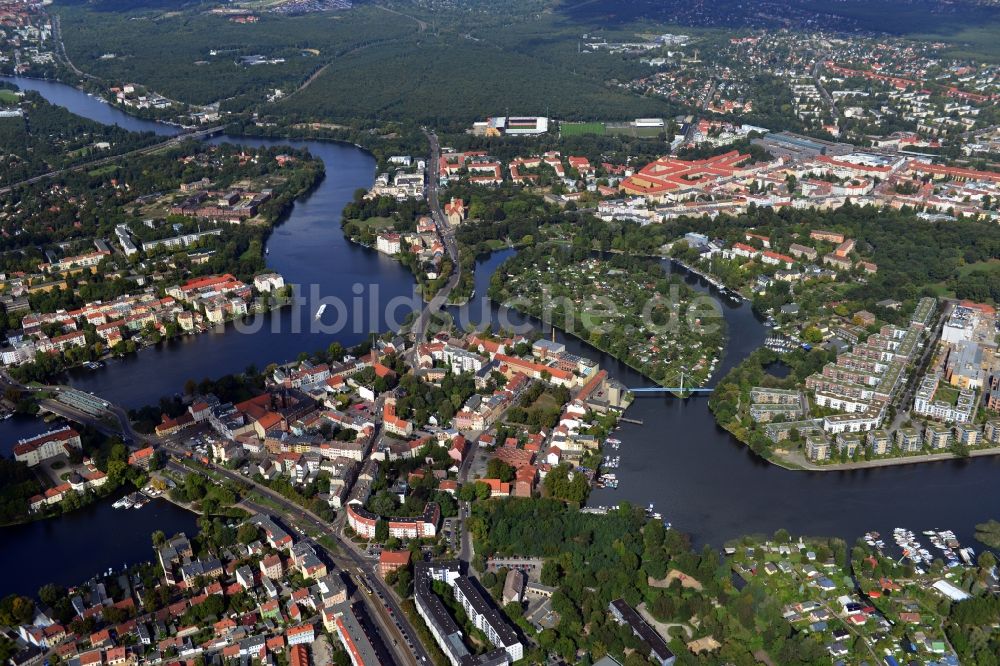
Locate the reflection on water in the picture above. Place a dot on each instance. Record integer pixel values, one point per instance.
(698, 476)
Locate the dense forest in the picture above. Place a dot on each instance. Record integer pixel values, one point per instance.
(971, 630)
(368, 63)
(17, 485)
(48, 137)
(192, 56)
(419, 82)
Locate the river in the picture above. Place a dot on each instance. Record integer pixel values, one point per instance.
(713, 487)
(696, 474)
(308, 249)
(73, 548)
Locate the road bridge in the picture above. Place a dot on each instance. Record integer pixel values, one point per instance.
(669, 389)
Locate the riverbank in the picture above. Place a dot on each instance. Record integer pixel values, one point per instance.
(700, 477)
(424, 294)
(805, 464)
(709, 279)
(628, 307)
(97, 536)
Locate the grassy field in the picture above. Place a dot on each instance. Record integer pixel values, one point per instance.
(496, 244)
(579, 129)
(374, 222)
(545, 401)
(8, 97)
(625, 129)
(941, 289)
(992, 266)
(102, 171)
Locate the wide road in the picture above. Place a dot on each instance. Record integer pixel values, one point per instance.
(394, 634)
(817, 67)
(398, 629)
(447, 235)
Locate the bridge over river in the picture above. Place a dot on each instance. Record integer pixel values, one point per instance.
(669, 389)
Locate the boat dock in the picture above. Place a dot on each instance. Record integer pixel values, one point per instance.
(628, 420)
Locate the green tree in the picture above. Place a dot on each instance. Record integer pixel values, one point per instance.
(247, 533)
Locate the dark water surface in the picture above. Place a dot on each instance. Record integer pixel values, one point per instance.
(699, 477)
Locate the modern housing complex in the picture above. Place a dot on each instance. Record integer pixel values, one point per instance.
(864, 381)
(480, 609)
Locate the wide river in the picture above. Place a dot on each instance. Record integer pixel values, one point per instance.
(699, 477)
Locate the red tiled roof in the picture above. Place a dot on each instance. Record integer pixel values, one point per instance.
(28, 445)
(397, 557)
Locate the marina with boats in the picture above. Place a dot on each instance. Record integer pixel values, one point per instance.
(136, 500)
(696, 473)
(610, 480)
(911, 548)
(721, 289)
(781, 345)
(607, 479)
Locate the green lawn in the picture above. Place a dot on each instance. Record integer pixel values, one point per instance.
(545, 401)
(102, 171)
(942, 290)
(625, 129)
(374, 222)
(496, 244)
(8, 97)
(948, 394)
(991, 265)
(578, 129)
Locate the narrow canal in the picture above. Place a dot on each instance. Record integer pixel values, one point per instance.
(699, 477)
